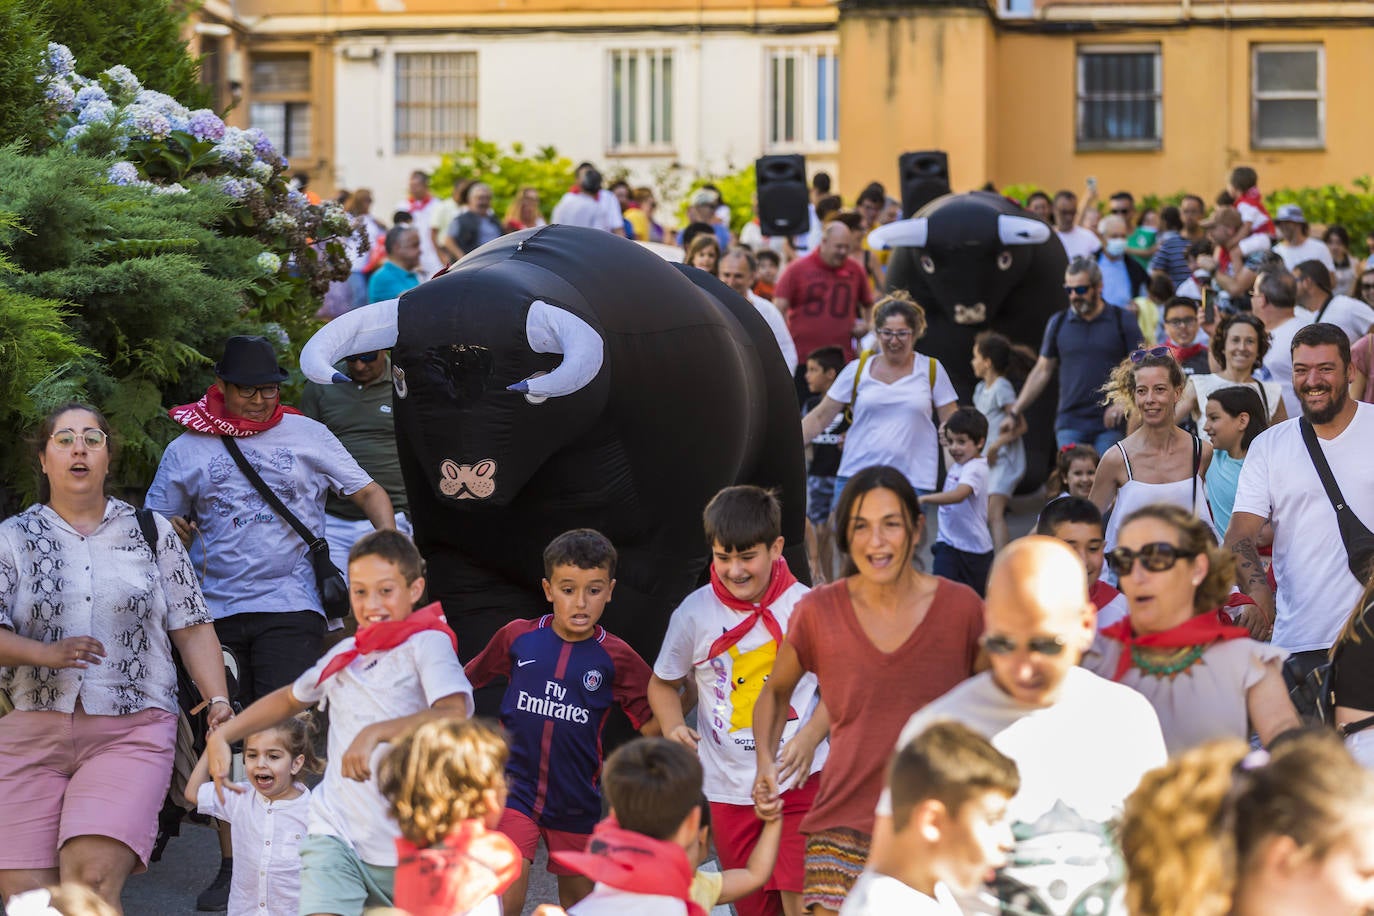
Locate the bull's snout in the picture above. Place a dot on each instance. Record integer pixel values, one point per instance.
(970, 314)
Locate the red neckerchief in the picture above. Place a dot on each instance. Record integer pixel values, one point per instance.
(1253, 198)
(634, 863)
(780, 579)
(1102, 594)
(465, 868)
(209, 415)
(1202, 630)
(1183, 354)
(389, 635)
(413, 203)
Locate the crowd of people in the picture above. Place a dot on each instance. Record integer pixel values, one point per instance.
(1158, 703)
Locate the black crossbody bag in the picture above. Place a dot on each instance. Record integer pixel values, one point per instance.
(328, 579)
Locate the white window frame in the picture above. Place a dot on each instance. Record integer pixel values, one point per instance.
(294, 102)
(1256, 96)
(433, 138)
(1083, 144)
(814, 133)
(647, 121)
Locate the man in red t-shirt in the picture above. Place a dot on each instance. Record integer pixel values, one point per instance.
(825, 298)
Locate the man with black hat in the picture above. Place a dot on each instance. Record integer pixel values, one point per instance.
(258, 579)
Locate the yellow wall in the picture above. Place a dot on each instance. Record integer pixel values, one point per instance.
(1002, 104)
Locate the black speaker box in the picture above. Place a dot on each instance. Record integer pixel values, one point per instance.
(783, 198)
(924, 177)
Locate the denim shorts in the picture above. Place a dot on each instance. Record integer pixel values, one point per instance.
(820, 498)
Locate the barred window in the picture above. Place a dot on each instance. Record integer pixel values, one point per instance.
(280, 106)
(436, 101)
(641, 99)
(1119, 98)
(803, 98)
(1288, 105)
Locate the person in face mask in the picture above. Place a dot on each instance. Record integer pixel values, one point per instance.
(1122, 278)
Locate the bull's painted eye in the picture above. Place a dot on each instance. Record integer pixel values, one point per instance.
(927, 264)
(1004, 260)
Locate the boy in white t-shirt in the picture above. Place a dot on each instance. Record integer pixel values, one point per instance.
(950, 789)
(1078, 522)
(726, 635)
(401, 669)
(963, 549)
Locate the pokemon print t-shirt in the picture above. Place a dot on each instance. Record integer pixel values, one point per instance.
(728, 685)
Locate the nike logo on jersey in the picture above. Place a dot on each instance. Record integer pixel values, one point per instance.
(528, 661)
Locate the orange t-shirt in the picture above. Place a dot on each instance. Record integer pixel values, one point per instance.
(871, 694)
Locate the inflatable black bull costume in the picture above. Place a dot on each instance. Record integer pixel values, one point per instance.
(976, 262)
(561, 378)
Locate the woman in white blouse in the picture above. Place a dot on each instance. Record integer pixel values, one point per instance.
(89, 611)
(1238, 347)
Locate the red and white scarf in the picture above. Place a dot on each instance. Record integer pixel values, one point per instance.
(209, 415)
(634, 863)
(780, 579)
(389, 635)
(1203, 630)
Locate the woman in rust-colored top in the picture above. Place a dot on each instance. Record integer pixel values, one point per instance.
(883, 642)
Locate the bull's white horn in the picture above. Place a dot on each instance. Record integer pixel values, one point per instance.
(363, 330)
(1021, 230)
(904, 233)
(550, 329)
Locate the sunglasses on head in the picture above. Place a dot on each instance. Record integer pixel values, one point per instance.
(1077, 290)
(66, 438)
(997, 644)
(1139, 355)
(1158, 557)
(361, 358)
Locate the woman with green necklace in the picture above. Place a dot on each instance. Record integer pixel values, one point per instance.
(1204, 676)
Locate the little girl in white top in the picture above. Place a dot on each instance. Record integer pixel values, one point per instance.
(268, 816)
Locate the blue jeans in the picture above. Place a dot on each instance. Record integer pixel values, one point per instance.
(1099, 438)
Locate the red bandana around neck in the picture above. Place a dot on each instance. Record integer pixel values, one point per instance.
(471, 864)
(1102, 594)
(780, 579)
(209, 415)
(389, 635)
(634, 863)
(1202, 630)
(418, 203)
(1183, 354)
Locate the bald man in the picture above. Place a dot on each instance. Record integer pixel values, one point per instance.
(1081, 743)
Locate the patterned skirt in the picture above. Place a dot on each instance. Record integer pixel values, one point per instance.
(834, 860)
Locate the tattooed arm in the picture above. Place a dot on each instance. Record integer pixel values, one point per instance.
(1243, 538)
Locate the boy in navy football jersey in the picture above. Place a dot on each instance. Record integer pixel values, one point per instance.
(565, 674)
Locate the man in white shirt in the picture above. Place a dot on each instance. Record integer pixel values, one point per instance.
(1081, 743)
(1078, 241)
(1297, 246)
(422, 206)
(737, 269)
(1314, 294)
(588, 204)
(1279, 486)
(1274, 300)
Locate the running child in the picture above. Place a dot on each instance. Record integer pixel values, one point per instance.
(822, 365)
(565, 674)
(963, 548)
(399, 671)
(446, 785)
(270, 821)
(950, 789)
(1234, 417)
(994, 356)
(1078, 523)
(1074, 469)
(724, 638)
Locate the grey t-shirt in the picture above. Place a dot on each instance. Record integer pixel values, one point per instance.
(253, 560)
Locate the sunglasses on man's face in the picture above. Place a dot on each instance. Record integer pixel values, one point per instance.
(248, 392)
(1077, 290)
(1158, 557)
(1120, 212)
(997, 644)
(361, 358)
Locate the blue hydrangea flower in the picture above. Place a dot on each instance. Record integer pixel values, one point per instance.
(96, 112)
(268, 263)
(236, 188)
(59, 60)
(204, 124)
(90, 93)
(262, 144)
(124, 79)
(122, 173)
(59, 94)
(144, 121)
(76, 132)
(260, 171)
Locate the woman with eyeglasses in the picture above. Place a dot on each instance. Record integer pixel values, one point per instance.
(1226, 831)
(1238, 347)
(1158, 463)
(897, 398)
(1205, 677)
(883, 642)
(92, 598)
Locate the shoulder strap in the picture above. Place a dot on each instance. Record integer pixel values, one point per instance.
(1126, 458)
(148, 525)
(1325, 306)
(932, 379)
(1121, 328)
(265, 491)
(1309, 438)
(864, 357)
(1197, 466)
(1057, 324)
(1264, 398)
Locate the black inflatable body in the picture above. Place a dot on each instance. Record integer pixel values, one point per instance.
(977, 261)
(562, 378)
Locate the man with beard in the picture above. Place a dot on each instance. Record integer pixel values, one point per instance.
(1279, 486)
(1085, 342)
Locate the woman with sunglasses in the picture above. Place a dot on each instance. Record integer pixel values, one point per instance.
(1205, 678)
(92, 599)
(1158, 463)
(1238, 347)
(883, 642)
